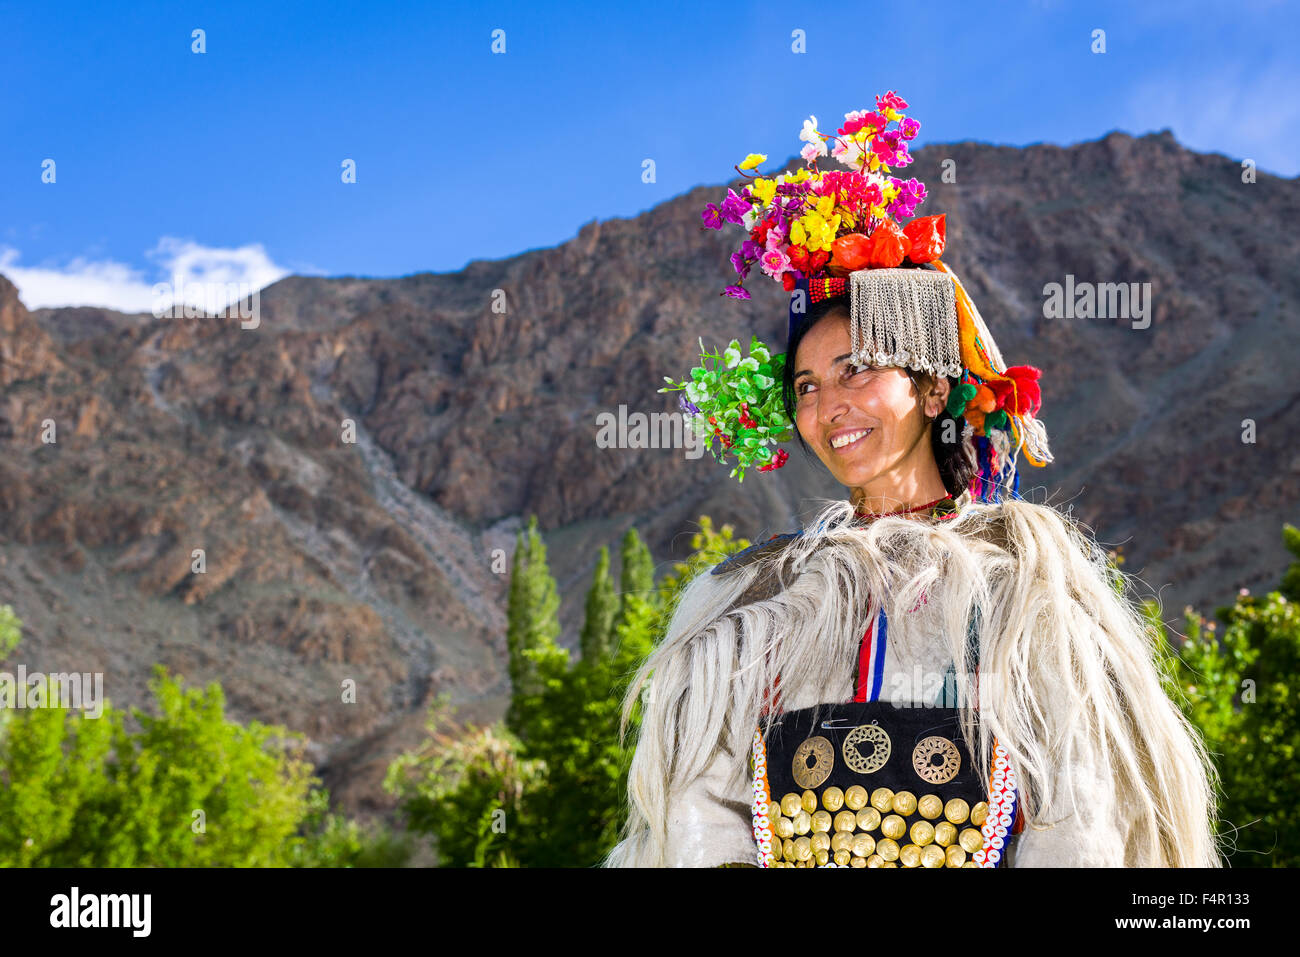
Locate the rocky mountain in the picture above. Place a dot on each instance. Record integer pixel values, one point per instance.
(354, 469)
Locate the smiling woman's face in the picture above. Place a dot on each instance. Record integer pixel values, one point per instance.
(867, 424)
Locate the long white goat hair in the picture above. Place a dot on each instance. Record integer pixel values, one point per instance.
(1067, 668)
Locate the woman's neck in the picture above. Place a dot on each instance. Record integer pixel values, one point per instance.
(879, 502)
(909, 510)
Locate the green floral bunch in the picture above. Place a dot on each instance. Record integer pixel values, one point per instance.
(737, 401)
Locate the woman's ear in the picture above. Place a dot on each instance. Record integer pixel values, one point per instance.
(936, 398)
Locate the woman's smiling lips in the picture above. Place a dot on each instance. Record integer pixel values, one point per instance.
(855, 436)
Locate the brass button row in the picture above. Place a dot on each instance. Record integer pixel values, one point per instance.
(809, 832)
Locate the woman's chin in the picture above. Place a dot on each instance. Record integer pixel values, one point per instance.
(856, 472)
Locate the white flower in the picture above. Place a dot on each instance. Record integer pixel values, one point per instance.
(847, 152)
(809, 132)
(749, 219)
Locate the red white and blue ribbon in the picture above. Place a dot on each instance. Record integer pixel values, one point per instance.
(871, 659)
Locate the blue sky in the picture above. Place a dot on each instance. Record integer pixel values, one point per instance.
(227, 164)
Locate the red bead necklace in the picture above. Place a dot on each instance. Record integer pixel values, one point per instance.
(904, 511)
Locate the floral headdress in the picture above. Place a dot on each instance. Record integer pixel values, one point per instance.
(824, 234)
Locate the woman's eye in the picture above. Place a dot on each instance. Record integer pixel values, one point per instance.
(801, 388)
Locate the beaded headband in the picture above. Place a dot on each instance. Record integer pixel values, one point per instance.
(829, 234)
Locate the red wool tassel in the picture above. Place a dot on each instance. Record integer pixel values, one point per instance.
(1028, 397)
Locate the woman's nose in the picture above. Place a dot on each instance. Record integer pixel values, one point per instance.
(832, 403)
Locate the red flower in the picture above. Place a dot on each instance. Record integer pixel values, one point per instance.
(777, 461)
(759, 233)
(788, 281)
(807, 263)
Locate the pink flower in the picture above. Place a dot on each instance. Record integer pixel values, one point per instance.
(885, 151)
(775, 263)
(890, 101)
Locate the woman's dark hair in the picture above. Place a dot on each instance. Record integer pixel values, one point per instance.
(955, 467)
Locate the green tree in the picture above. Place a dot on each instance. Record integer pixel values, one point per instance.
(189, 788)
(532, 628)
(1237, 689)
(331, 839)
(466, 788)
(602, 607)
(637, 578)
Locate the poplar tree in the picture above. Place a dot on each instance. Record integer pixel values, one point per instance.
(532, 627)
(638, 574)
(602, 607)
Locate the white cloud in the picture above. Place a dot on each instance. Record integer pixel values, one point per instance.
(203, 272)
(1240, 110)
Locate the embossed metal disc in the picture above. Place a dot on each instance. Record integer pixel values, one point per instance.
(862, 734)
(930, 771)
(822, 754)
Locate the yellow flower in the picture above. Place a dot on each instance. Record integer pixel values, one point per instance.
(752, 160)
(825, 206)
(819, 232)
(800, 176)
(892, 113)
(874, 162)
(763, 189)
(810, 229)
(890, 191)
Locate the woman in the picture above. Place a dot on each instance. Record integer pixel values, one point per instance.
(934, 672)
